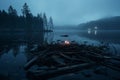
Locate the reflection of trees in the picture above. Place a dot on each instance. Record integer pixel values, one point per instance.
(48, 37)
(27, 51)
(8, 45)
(104, 36)
(4, 47)
(14, 41)
(37, 39)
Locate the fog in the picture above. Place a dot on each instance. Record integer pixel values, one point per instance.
(68, 12)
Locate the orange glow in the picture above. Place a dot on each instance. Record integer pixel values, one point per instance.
(67, 42)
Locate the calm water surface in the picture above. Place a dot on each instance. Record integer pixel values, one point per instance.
(15, 52)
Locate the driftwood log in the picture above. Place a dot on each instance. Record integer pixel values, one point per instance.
(60, 71)
(74, 57)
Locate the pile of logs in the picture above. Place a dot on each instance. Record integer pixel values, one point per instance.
(59, 59)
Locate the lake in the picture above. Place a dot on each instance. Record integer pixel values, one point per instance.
(15, 51)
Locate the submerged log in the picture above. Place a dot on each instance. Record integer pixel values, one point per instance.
(33, 61)
(60, 71)
(30, 63)
(57, 59)
(75, 58)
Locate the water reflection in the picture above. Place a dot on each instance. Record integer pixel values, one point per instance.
(18, 42)
(48, 37)
(102, 36)
(15, 52)
(89, 31)
(111, 37)
(15, 48)
(93, 32)
(92, 37)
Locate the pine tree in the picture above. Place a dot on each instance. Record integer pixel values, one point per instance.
(51, 23)
(25, 10)
(45, 22)
(38, 16)
(28, 18)
(12, 11)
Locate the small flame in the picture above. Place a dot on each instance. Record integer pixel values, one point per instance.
(67, 42)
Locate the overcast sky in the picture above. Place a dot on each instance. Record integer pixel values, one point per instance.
(68, 12)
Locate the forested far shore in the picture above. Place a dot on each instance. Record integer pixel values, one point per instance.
(11, 21)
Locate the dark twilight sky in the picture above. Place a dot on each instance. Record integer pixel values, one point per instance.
(68, 12)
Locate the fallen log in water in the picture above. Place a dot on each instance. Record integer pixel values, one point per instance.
(57, 59)
(30, 63)
(68, 59)
(60, 71)
(111, 66)
(33, 60)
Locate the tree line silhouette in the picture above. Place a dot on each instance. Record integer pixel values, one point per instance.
(11, 21)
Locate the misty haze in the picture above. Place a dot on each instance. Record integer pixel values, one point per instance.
(60, 40)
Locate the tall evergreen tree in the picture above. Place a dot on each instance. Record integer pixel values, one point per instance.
(45, 21)
(51, 23)
(0, 14)
(25, 10)
(15, 12)
(28, 23)
(28, 18)
(40, 22)
(12, 11)
(4, 18)
(38, 16)
(0, 17)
